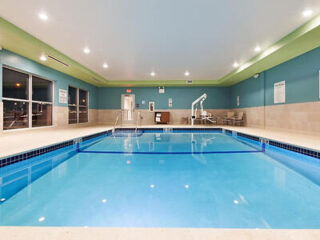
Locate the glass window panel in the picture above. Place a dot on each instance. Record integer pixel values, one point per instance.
(83, 101)
(41, 90)
(83, 114)
(41, 115)
(15, 115)
(15, 84)
(72, 114)
(72, 92)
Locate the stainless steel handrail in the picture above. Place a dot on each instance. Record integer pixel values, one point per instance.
(138, 120)
(116, 122)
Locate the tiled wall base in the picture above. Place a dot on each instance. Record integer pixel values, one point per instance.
(299, 117)
(1, 117)
(61, 116)
(254, 117)
(177, 116)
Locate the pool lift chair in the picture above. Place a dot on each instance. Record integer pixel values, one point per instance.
(203, 114)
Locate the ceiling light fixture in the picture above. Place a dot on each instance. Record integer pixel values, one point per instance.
(86, 50)
(43, 16)
(307, 13)
(257, 49)
(105, 65)
(152, 74)
(187, 74)
(43, 58)
(235, 65)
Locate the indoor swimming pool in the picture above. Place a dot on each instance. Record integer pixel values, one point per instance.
(158, 178)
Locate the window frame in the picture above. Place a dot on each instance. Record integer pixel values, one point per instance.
(29, 100)
(77, 105)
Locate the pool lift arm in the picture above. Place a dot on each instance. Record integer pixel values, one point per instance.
(193, 111)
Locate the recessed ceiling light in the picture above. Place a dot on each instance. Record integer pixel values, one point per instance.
(86, 50)
(235, 65)
(43, 58)
(307, 13)
(257, 49)
(187, 74)
(152, 74)
(105, 65)
(41, 219)
(43, 16)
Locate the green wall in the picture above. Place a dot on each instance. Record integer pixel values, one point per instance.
(182, 97)
(302, 83)
(61, 80)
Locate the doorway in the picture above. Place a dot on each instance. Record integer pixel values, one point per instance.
(127, 107)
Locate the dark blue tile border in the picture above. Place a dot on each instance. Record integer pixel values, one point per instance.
(254, 138)
(26, 155)
(106, 133)
(296, 149)
(34, 153)
(289, 147)
(30, 154)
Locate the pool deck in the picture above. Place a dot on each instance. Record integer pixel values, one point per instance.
(82, 233)
(19, 141)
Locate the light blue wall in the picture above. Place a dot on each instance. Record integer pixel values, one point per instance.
(302, 83)
(61, 80)
(182, 97)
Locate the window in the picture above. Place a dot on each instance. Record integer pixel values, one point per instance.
(24, 94)
(72, 102)
(78, 105)
(41, 102)
(83, 106)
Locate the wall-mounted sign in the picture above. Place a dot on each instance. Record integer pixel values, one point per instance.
(63, 96)
(161, 89)
(279, 95)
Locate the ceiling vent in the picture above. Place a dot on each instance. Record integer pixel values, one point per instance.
(189, 81)
(57, 60)
(97, 80)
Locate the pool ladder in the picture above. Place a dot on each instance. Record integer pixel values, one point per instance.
(138, 120)
(116, 122)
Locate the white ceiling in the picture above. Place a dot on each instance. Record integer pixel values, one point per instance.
(169, 37)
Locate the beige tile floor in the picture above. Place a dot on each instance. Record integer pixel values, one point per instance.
(81, 233)
(20, 141)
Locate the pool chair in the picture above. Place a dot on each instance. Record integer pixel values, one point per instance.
(208, 118)
(238, 119)
(228, 119)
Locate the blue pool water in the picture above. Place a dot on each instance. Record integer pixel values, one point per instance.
(157, 179)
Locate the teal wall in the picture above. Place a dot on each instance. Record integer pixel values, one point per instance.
(301, 75)
(61, 80)
(182, 97)
(302, 83)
